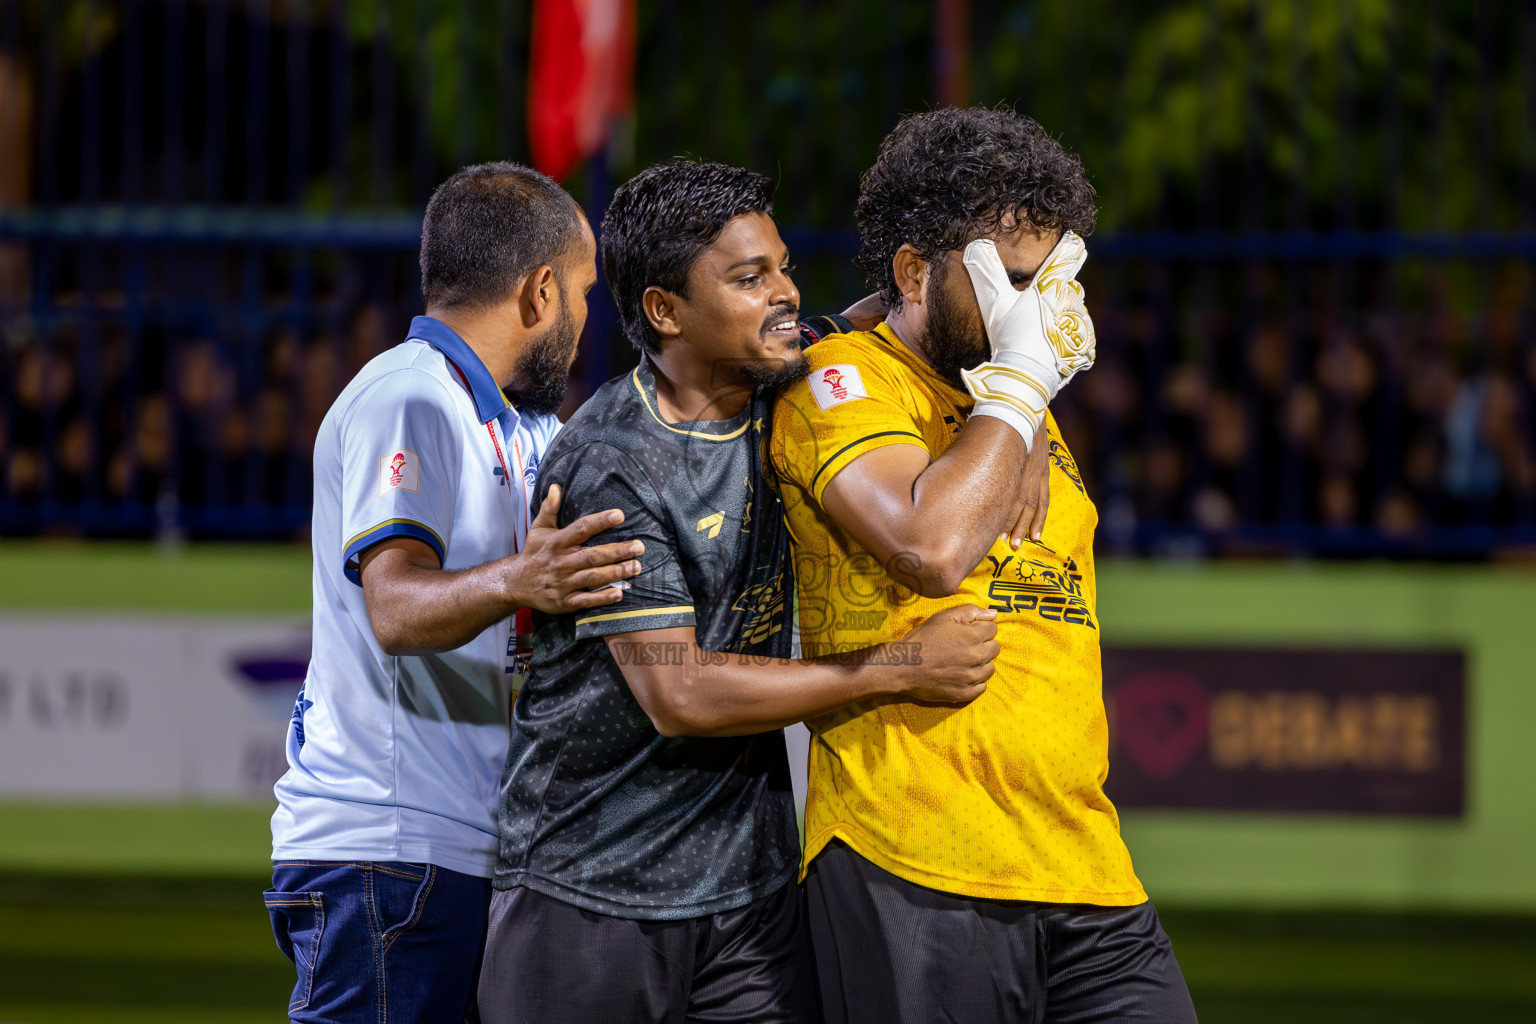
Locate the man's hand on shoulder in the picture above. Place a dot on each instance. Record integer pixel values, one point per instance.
(415, 606)
(554, 573)
(866, 314)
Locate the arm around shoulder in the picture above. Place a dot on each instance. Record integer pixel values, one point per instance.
(417, 607)
(686, 691)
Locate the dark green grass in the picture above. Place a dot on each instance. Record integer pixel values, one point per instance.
(129, 951)
(52, 576)
(124, 951)
(1356, 966)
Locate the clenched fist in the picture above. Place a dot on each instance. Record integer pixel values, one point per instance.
(955, 649)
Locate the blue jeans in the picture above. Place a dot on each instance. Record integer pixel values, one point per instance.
(382, 943)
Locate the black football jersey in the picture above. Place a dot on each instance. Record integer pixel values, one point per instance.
(597, 808)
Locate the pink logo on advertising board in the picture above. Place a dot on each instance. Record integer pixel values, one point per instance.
(1161, 718)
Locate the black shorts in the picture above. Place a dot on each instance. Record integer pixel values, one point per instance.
(547, 962)
(891, 952)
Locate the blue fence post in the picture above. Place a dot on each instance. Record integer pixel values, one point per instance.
(341, 97)
(215, 100)
(382, 61)
(132, 190)
(597, 338)
(173, 77)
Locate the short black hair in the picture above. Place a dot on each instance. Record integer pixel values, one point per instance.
(944, 178)
(660, 221)
(488, 227)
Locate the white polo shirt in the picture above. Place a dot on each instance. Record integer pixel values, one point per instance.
(400, 757)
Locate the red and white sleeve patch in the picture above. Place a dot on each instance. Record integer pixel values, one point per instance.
(834, 385)
(399, 471)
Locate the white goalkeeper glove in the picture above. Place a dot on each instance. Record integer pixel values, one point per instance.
(1041, 337)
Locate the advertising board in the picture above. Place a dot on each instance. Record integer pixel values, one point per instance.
(1287, 729)
(118, 707)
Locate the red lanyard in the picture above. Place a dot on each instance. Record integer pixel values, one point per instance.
(490, 428)
(524, 616)
(506, 472)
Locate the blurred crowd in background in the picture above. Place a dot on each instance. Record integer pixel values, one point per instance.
(1264, 425)
(1311, 277)
(163, 429)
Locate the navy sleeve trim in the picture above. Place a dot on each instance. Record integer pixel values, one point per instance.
(389, 528)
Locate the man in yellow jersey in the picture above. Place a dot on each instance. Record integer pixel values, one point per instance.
(963, 863)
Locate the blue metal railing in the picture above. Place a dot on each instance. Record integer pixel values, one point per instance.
(284, 227)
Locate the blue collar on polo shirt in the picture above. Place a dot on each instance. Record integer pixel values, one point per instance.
(490, 403)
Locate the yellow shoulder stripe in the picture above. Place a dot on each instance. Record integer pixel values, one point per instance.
(670, 610)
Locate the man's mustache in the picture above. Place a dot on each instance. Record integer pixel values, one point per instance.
(785, 312)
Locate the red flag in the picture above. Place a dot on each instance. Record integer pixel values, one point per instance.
(580, 78)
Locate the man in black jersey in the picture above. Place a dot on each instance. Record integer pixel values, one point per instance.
(648, 836)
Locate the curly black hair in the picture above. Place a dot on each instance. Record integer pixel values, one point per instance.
(944, 178)
(660, 221)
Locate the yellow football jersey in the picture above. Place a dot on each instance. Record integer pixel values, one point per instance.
(1002, 798)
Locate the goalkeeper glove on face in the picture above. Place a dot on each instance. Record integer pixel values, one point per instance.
(1041, 336)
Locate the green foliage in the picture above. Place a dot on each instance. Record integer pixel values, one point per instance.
(1257, 114)
(452, 56)
(76, 29)
(1331, 100)
(1251, 114)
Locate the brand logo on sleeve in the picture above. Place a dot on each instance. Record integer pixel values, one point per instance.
(834, 385)
(399, 471)
(712, 524)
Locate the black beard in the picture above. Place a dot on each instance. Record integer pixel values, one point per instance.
(952, 343)
(544, 367)
(774, 373)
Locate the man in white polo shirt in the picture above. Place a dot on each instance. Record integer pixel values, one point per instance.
(384, 839)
